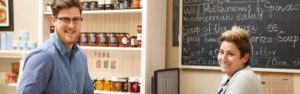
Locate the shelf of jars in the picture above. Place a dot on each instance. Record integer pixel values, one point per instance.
(109, 92)
(107, 11)
(111, 48)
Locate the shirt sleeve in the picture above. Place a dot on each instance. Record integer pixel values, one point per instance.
(36, 73)
(88, 85)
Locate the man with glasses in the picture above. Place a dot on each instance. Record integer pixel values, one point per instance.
(59, 66)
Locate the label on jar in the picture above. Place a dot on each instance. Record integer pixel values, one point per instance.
(132, 41)
(102, 40)
(83, 40)
(112, 40)
(124, 40)
(139, 36)
(92, 39)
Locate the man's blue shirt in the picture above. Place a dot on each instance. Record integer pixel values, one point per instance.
(53, 69)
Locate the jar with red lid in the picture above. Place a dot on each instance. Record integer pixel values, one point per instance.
(83, 39)
(92, 39)
(102, 39)
(113, 40)
(135, 4)
(123, 40)
(134, 85)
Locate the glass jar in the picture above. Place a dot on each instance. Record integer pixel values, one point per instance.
(123, 40)
(133, 41)
(100, 84)
(117, 4)
(86, 5)
(101, 4)
(102, 39)
(134, 85)
(92, 39)
(107, 84)
(135, 4)
(127, 4)
(108, 5)
(93, 5)
(112, 40)
(124, 84)
(83, 39)
(115, 84)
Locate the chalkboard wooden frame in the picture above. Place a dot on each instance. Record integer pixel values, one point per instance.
(258, 69)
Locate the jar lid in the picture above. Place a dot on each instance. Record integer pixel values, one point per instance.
(107, 78)
(133, 79)
(115, 79)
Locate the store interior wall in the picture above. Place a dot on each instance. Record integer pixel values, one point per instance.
(196, 81)
(193, 81)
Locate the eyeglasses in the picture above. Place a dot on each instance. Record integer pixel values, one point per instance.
(67, 20)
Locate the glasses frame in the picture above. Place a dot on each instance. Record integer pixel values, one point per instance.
(67, 20)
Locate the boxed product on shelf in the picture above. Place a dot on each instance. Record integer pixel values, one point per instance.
(6, 40)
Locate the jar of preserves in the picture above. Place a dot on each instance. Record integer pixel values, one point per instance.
(83, 39)
(117, 4)
(107, 84)
(100, 84)
(102, 39)
(86, 5)
(101, 4)
(133, 41)
(123, 40)
(115, 84)
(92, 39)
(127, 4)
(108, 5)
(113, 40)
(134, 85)
(135, 4)
(93, 5)
(124, 84)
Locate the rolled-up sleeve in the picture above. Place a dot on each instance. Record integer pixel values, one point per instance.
(36, 73)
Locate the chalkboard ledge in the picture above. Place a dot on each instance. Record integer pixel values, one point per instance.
(199, 67)
(276, 70)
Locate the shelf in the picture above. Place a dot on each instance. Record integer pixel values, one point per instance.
(13, 53)
(107, 11)
(107, 92)
(12, 84)
(111, 48)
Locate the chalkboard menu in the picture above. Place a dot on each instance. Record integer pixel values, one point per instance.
(274, 26)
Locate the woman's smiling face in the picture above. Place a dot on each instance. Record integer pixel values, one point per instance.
(230, 59)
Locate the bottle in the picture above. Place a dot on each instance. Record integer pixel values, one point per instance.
(52, 29)
(139, 36)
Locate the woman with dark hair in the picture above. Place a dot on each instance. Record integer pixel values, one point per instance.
(234, 56)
